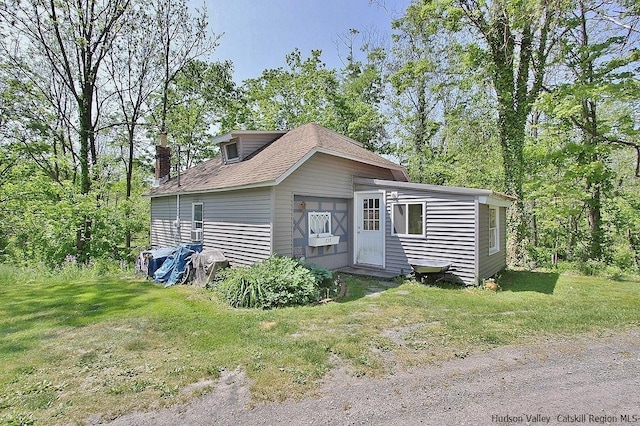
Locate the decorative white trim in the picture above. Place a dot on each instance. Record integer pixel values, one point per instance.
(330, 240)
(319, 224)
(482, 195)
(319, 229)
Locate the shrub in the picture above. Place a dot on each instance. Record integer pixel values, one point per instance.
(624, 258)
(273, 283)
(591, 267)
(323, 276)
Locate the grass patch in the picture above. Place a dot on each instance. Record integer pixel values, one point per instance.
(79, 344)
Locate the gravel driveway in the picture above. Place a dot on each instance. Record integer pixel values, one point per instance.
(586, 380)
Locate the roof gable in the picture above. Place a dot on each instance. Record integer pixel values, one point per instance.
(273, 162)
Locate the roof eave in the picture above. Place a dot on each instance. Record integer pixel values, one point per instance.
(485, 196)
(207, 191)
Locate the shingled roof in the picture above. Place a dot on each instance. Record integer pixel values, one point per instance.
(271, 165)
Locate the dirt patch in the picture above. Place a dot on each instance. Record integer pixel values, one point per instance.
(589, 379)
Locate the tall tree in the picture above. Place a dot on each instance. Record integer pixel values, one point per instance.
(597, 98)
(512, 42)
(133, 67)
(81, 74)
(412, 74)
(307, 91)
(73, 39)
(182, 37)
(284, 98)
(362, 85)
(199, 100)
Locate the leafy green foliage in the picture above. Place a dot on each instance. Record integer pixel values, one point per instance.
(322, 276)
(585, 187)
(307, 91)
(44, 221)
(276, 282)
(201, 99)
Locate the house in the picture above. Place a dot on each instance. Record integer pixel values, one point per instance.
(315, 194)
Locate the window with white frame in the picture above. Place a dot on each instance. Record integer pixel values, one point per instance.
(408, 219)
(494, 229)
(197, 221)
(319, 224)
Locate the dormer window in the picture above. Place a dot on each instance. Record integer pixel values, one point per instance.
(231, 152)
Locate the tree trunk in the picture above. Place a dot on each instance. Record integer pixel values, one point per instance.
(511, 127)
(534, 225)
(595, 221)
(85, 129)
(420, 136)
(131, 135)
(595, 175)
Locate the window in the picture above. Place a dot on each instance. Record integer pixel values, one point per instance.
(319, 224)
(231, 151)
(197, 222)
(408, 219)
(371, 214)
(196, 217)
(494, 230)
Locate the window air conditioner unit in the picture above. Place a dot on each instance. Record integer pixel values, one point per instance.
(196, 235)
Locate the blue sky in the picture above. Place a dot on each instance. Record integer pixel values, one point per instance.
(259, 33)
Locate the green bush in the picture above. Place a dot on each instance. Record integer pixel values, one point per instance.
(327, 286)
(323, 276)
(624, 258)
(273, 283)
(591, 267)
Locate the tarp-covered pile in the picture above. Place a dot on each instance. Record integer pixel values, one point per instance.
(168, 265)
(171, 265)
(206, 264)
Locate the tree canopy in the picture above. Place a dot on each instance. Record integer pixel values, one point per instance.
(538, 99)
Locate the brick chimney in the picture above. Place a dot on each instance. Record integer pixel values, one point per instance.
(163, 160)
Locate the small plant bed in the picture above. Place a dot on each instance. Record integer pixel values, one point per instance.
(276, 282)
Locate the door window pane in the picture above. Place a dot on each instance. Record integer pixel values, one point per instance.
(371, 214)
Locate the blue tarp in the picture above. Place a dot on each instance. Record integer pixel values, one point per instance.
(175, 264)
(156, 258)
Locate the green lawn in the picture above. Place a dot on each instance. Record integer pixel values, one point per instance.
(76, 345)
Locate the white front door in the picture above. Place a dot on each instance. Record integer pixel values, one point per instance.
(369, 221)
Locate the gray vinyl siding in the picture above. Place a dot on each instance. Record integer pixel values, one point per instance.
(163, 213)
(251, 143)
(236, 222)
(449, 234)
(490, 264)
(320, 176)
